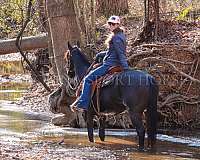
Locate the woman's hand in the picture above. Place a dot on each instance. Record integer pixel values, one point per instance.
(99, 57)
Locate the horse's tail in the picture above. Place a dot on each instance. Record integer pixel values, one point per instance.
(152, 112)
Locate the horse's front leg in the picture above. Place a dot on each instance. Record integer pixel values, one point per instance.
(136, 119)
(102, 128)
(90, 126)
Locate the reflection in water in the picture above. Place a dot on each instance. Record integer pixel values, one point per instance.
(12, 81)
(15, 86)
(16, 122)
(11, 95)
(11, 67)
(117, 147)
(12, 91)
(190, 141)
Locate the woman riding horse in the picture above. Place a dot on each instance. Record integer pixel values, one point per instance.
(115, 56)
(134, 90)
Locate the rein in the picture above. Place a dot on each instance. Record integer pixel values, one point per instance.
(88, 70)
(71, 90)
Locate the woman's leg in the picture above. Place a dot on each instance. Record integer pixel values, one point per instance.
(84, 99)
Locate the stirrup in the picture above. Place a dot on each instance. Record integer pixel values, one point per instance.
(76, 109)
(74, 103)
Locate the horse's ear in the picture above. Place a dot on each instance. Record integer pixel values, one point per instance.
(78, 44)
(69, 46)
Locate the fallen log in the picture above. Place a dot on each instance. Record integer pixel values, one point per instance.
(27, 43)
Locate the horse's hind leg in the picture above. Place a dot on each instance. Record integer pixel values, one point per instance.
(90, 126)
(136, 119)
(102, 128)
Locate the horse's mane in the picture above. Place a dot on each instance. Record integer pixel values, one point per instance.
(82, 55)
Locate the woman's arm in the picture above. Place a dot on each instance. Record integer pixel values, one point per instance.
(99, 56)
(120, 48)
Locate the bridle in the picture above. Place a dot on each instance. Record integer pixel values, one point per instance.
(71, 83)
(76, 80)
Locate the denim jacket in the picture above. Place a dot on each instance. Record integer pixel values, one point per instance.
(115, 55)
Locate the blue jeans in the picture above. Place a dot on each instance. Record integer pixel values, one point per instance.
(85, 97)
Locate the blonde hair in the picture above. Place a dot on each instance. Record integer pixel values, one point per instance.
(109, 37)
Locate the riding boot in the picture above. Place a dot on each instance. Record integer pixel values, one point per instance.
(74, 107)
(74, 103)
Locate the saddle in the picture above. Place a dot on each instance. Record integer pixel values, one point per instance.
(102, 81)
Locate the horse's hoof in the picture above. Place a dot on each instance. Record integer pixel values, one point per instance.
(102, 138)
(91, 140)
(102, 134)
(141, 149)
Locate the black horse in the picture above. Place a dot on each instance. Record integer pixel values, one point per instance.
(133, 90)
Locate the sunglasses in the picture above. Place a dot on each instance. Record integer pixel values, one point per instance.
(110, 23)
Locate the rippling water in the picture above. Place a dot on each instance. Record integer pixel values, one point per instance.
(42, 138)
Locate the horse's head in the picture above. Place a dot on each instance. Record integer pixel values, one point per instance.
(77, 62)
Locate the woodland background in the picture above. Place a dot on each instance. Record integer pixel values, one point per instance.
(163, 39)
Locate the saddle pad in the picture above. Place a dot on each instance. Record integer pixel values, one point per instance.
(108, 80)
(130, 77)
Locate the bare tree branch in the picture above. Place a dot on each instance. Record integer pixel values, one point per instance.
(178, 98)
(165, 61)
(195, 71)
(18, 45)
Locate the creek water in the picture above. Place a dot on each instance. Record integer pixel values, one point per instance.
(28, 135)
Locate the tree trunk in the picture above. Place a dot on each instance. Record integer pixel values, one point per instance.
(45, 28)
(42, 16)
(154, 15)
(151, 29)
(28, 43)
(63, 28)
(112, 7)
